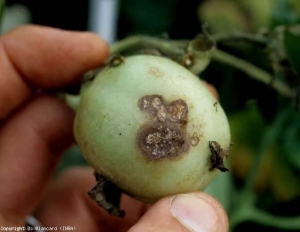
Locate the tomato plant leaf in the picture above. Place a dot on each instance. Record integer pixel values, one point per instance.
(291, 43)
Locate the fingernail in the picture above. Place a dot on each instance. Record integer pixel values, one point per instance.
(194, 213)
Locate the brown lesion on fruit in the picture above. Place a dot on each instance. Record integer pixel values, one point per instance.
(188, 60)
(216, 106)
(162, 140)
(116, 60)
(178, 111)
(194, 140)
(156, 72)
(148, 102)
(164, 136)
(218, 155)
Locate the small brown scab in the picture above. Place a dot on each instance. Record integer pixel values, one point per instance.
(115, 61)
(164, 136)
(216, 106)
(156, 72)
(188, 60)
(194, 140)
(218, 154)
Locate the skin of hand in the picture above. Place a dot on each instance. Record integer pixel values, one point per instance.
(36, 128)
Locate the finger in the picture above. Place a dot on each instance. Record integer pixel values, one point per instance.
(67, 203)
(30, 144)
(185, 212)
(42, 57)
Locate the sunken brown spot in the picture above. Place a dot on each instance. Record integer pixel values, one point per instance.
(156, 72)
(164, 136)
(115, 61)
(188, 60)
(178, 111)
(194, 140)
(160, 141)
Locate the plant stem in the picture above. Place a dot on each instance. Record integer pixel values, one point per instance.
(195, 55)
(245, 208)
(137, 42)
(247, 211)
(254, 72)
(240, 36)
(176, 48)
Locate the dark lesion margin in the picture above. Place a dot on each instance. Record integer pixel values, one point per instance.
(107, 195)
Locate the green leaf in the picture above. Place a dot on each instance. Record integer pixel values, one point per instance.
(284, 13)
(289, 139)
(222, 189)
(252, 214)
(247, 127)
(291, 43)
(246, 211)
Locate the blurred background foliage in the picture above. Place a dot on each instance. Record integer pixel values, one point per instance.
(262, 189)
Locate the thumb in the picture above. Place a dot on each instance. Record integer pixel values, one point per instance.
(196, 211)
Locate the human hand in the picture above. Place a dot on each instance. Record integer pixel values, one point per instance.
(36, 128)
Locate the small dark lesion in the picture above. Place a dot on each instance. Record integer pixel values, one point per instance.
(194, 139)
(218, 154)
(107, 196)
(116, 60)
(216, 106)
(188, 60)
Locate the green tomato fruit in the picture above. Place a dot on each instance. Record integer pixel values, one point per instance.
(152, 128)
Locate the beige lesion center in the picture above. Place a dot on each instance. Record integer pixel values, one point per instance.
(164, 135)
